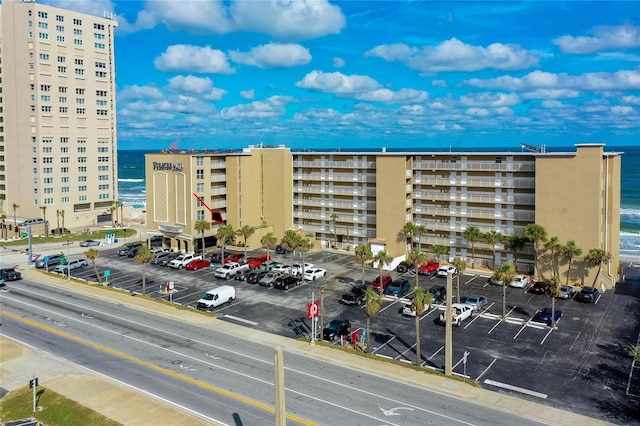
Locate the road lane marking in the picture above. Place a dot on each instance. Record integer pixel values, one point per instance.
(486, 369)
(149, 365)
(436, 352)
(232, 317)
(515, 388)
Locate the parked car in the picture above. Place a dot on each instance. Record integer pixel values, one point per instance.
(313, 273)
(157, 250)
(336, 328)
(476, 302)
(71, 265)
(257, 261)
(196, 264)
(242, 274)
(10, 274)
(521, 281)
(124, 251)
(459, 313)
(48, 261)
(270, 264)
(285, 282)
(181, 261)
(269, 279)
(229, 270)
(429, 268)
(281, 267)
(164, 260)
(445, 270)
(233, 257)
(589, 295)
(381, 281)
(216, 297)
(90, 243)
(355, 296)
(545, 315)
(495, 281)
(281, 250)
(566, 292)
(253, 277)
(29, 222)
(409, 310)
(438, 293)
(538, 287)
(299, 268)
(398, 288)
(404, 266)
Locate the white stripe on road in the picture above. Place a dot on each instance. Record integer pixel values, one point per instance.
(516, 388)
(486, 369)
(240, 319)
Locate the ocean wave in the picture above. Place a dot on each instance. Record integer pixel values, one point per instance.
(130, 180)
(630, 212)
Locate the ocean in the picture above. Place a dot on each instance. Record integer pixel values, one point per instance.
(132, 188)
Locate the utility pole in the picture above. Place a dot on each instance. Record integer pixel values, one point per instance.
(448, 340)
(321, 313)
(281, 412)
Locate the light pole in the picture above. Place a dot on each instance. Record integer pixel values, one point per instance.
(68, 261)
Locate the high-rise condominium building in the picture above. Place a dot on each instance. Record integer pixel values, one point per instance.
(344, 199)
(58, 146)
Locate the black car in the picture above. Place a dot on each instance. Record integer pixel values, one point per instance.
(404, 267)
(589, 295)
(10, 274)
(164, 260)
(281, 250)
(124, 251)
(254, 276)
(438, 292)
(336, 328)
(286, 281)
(355, 297)
(538, 287)
(242, 275)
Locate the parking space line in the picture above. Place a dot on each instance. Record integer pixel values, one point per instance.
(548, 333)
(486, 369)
(384, 344)
(515, 388)
(457, 363)
(525, 324)
(232, 317)
(436, 352)
(405, 351)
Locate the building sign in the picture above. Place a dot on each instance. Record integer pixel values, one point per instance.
(176, 167)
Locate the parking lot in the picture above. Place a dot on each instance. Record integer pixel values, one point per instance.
(581, 364)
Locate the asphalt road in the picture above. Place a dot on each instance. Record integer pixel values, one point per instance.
(222, 377)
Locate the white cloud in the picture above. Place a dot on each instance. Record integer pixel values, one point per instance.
(270, 108)
(248, 94)
(454, 55)
(273, 55)
(94, 8)
(489, 99)
(196, 85)
(338, 62)
(439, 83)
(336, 82)
(140, 92)
(181, 57)
(604, 38)
(631, 99)
(402, 96)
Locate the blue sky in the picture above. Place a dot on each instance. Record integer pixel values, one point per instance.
(368, 74)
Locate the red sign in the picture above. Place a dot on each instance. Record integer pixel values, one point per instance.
(312, 310)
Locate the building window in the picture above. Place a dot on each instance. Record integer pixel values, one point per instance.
(103, 159)
(45, 108)
(59, 18)
(103, 187)
(82, 178)
(82, 169)
(40, 14)
(199, 161)
(64, 139)
(77, 42)
(64, 149)
(64, 170)
(82, 188)
(43, 25)
(43, 36)
(47, 170)
(45, 87)
(45, 98)
(100, 102)
(79, 61)
(98, 26)
(79, 101)
(65, 199)
(64, 159)
(48, 191)
(47, 160)
(101, 93)
(200, 215)
(44, 56)
(80, 111)
(62, 89)
(62, 99)
(77, 21)
(79, 91)
(99, 45)
(82, 198)
(46, 180)
(65, 189)
(65, 179)
(60, 39)
(103, 168)
(103, 149)
(79, 71)
(48, 200)
(77, 32)
(62, 70)
(103, 177)
(60, 28)
(98, 36)
(199, 174)
(47, 149)
(101, 74)
(82, 159)
(82, 149)
(102, 112)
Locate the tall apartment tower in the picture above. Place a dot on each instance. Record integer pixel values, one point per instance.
(58, 144)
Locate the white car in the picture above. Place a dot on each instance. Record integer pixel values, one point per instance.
(407, 309)
(521, 281)
(181, 261)
(313, 273)
(73, 264)
(444, 270)
(298, 268)
(281, 268)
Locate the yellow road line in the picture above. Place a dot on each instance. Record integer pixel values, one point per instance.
(212, 388)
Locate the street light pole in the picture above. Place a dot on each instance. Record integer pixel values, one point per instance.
(68, 261)
(448, 340)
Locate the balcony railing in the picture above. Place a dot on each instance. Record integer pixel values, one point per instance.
(335, 164)
(488, 166)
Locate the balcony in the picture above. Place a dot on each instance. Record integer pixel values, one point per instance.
(485, 166)
(333, 177)
(316, 189)
(488, 181)
(334, 164)
(339, 204)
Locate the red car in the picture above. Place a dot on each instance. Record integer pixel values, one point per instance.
(257, 261)
(382, 280)
(233, 257)
(196, 264)
(428, 268)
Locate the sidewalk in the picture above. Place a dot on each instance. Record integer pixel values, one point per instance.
(125, 405)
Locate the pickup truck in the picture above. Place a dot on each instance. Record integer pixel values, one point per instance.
(181, 261)
(460, 312)
(71, 265)
(228, 270)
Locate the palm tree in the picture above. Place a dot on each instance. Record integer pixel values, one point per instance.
(334, 217)
(268, 240)
(537, 234)
(373, 302)
(382, 257)
(438, 251)
(553, 286)
(44, 217)
(515, 243)
(15, 222)
(554, 246)
(305, 246)
(506, 273)
(245, 232)
(408, 230)
(143, 257)
(113, 219)
(116, 204)
(58, 221)
(570, 250)
(417, 258)
(224, 236)
(493, 237)
(291, 241)
(201, 226)
(420, 298)
(62, 216)
(419, 230)
(597, 257)
(461, 265)
(472, 234)
(3, 217)
(92, 254)
(363, 254)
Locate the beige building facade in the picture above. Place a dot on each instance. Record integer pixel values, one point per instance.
(344, 199)
(58, 144)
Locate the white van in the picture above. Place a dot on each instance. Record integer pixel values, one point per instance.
(216, 297)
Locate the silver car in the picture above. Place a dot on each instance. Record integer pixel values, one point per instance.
(566, 292)
(476, 302)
